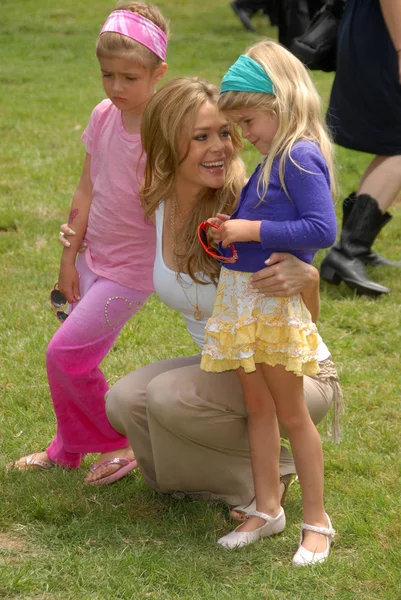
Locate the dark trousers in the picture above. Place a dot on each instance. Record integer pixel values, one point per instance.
(252, 6)
(294, 17)
(291, 16)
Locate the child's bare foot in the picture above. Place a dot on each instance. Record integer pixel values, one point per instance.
(111, 466)
(39, 461)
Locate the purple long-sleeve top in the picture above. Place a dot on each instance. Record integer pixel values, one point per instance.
(300, 224)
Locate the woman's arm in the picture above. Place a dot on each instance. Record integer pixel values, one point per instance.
(286, 275)
(391, 10)
(68, 277)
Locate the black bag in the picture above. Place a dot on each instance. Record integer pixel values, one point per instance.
(316, 48)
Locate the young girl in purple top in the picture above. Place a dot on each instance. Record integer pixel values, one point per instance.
(272, 342)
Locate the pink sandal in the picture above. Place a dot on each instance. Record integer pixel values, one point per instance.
(31, 463)
(125, 467)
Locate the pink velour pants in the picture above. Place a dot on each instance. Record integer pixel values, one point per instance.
(77, 385)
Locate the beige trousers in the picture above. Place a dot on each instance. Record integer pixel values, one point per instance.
(188, 428)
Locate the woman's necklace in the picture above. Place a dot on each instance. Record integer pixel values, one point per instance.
(198, 314)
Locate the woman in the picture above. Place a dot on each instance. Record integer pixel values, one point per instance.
(188, 427)
(365, 115)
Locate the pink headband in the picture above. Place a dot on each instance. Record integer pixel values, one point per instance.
(137, 28)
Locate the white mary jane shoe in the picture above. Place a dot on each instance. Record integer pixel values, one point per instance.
(304, 557)
(238, 539)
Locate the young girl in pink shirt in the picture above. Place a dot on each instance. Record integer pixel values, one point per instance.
(108, 284)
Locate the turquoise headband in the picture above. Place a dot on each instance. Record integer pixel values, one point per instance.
(247, 75)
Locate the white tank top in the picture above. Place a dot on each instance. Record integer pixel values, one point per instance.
(182, 293)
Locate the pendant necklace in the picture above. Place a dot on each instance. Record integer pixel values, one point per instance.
(198, 314)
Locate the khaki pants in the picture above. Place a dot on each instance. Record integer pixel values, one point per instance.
(188, 428)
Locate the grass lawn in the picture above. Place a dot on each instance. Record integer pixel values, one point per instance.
(62, 540)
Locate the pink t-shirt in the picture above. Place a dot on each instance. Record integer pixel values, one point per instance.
(121, 242)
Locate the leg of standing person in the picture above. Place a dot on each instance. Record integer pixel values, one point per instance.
(364, 215)
(264, 444)
(245, 9)
(77, 385)
(270, 9)
(264, 448)
(287, 391)
(382, 180)
(293, 20)
(321, 393)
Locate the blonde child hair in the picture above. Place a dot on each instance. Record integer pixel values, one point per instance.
(296, 104)
(167, 122)
(111, 45)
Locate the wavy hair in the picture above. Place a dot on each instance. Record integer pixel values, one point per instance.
(167, 125)
(296, 104)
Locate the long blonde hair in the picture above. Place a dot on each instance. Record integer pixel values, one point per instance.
(167, 124)
(296, 104)
(115, 45)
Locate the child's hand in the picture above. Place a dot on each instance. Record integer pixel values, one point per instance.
(68, 282)
(239, 230)
(218, 220)
(65, 232)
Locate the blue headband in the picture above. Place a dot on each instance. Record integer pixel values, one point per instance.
(247, 75)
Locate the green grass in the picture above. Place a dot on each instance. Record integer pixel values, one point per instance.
(62, 540)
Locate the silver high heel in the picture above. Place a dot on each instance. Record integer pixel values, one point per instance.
(238, 539)
(304, 557)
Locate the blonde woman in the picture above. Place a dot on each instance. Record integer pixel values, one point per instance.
(188, 427)
(272, 343)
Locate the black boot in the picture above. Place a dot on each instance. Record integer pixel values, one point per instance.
(362, 222)
(370, 257)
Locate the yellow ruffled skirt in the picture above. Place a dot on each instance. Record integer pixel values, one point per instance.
(248, 328)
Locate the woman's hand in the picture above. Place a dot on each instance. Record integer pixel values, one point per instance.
(285, 275)
(65, 232)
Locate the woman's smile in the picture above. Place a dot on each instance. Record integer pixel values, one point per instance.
(216, 166)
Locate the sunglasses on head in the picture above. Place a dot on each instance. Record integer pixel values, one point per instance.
(203, 238)
(57, 301)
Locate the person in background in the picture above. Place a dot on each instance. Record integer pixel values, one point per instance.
(365, 115)
(246, 9)
(292, 17)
